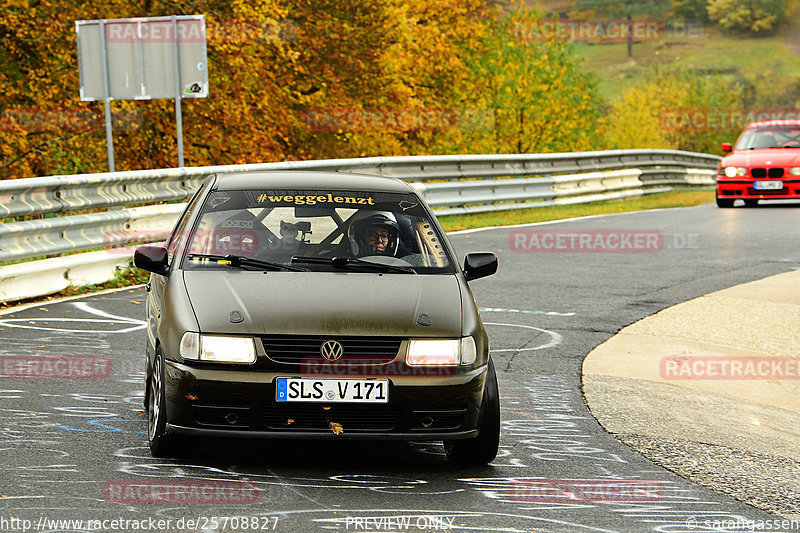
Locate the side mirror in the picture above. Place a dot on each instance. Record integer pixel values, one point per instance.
(479, 265)
(152, 258)
(726, 147)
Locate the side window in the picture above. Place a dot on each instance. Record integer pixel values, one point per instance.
(178, 234)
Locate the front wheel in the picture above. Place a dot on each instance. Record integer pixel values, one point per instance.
(482, 449)
(157, 437)
(724, 202)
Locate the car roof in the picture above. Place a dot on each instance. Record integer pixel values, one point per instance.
(773, 123)
(310, 180)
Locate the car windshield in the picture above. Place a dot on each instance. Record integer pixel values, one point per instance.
(770, 137)
(318, 230)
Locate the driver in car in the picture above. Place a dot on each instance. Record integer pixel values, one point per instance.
(375, 234)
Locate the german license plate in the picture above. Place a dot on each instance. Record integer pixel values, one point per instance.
(768, 185)
(332, 390)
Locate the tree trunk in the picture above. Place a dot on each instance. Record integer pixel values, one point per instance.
(630, 37)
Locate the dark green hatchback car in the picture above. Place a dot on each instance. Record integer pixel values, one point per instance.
(316, 305)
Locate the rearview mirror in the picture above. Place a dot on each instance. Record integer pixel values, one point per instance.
(152, 258)
(479, 265)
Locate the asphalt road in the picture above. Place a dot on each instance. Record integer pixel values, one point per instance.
(75, 449)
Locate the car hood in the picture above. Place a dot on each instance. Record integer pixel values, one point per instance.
(323, 303)
(777, 157)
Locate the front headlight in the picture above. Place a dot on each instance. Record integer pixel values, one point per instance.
(794, 171)
(217, 348)
(732, 172)
(441, 352)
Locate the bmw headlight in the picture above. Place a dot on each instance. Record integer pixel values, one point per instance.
(732, 172)
(217, 348)
(441, 352)
(794, 171)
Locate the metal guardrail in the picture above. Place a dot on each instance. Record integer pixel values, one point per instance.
(450, 184)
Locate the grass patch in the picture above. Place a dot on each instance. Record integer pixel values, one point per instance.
(709, 52)
(676, 198)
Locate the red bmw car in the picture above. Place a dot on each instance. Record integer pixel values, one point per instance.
(764, 164)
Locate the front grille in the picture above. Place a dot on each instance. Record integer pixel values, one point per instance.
(774, 172)
(301, 416)
(306, 349)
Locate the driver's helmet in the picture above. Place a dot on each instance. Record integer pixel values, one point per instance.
(378, 222)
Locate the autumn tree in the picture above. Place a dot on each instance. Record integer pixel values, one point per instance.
(749, 16)
(674, 110)
(539, 98)
(294, 79)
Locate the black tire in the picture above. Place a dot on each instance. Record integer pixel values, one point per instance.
(751, 203)
(724, 202)
(482, 449)
(158, 439)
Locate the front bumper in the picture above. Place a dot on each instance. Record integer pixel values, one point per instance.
(744, 189)
(241, 403)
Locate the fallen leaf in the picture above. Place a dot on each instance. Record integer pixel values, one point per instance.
(336, 428)
(135, 302)
(326, 408)
(290, 421)
(42, 309)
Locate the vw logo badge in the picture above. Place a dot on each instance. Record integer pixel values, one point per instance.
(331, 350)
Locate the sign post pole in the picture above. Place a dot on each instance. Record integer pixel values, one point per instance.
(177, 70)
(106, 97)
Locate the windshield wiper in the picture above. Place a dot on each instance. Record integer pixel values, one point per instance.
(239, 261)
(347, 262)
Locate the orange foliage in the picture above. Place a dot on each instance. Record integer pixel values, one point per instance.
(288, 80)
